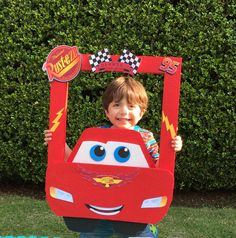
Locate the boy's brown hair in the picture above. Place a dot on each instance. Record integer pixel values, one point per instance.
(125, 86)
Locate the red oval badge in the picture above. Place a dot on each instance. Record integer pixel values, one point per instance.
(63, 63)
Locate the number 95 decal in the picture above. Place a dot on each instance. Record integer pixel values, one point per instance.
(169, 66)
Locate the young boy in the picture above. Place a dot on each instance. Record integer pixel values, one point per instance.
(125, 102)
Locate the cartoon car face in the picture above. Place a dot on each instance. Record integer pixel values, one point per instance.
(110, 175)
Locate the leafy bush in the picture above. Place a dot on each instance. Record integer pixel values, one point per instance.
(201, 32)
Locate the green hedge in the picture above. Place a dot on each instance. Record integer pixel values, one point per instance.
(201, 32)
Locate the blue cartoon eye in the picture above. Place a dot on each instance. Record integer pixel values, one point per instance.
(122, 154)
(97, 152)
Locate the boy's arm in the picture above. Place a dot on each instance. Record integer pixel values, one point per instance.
(67, 152)
(48, 137)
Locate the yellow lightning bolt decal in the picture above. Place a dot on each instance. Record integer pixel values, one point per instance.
(56, 122)
(169, 127)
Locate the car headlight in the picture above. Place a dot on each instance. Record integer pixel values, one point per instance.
(60, 194)
(154, 202)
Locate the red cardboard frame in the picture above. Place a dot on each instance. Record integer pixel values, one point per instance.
(65, 176)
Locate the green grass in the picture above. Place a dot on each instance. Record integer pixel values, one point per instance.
(26, 216)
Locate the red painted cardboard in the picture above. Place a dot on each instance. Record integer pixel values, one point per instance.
(106, 186)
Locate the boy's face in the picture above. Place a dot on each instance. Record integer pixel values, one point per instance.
(122, 114)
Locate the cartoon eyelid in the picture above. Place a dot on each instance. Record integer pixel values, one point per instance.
(93, 143)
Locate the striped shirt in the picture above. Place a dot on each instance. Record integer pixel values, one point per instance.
(149, 141)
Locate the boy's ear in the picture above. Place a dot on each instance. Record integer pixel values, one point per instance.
(142, 112)
(106, 111)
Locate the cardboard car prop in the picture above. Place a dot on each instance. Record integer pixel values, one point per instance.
(109, 174)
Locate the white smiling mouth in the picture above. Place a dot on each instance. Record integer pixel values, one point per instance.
(107, 211)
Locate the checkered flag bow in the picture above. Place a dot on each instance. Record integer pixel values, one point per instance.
(129, 58)
(98, 58)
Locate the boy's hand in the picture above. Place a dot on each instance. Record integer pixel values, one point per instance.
(47, 136)
(177, 143)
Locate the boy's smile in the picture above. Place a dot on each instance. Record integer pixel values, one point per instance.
(123, 114)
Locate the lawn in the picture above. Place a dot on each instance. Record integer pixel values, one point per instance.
(25, 216)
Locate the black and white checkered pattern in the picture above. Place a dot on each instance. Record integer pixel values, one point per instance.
(129, 58)
(98, 58)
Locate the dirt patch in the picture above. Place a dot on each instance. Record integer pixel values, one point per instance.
(217, 199)
(28, 190)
